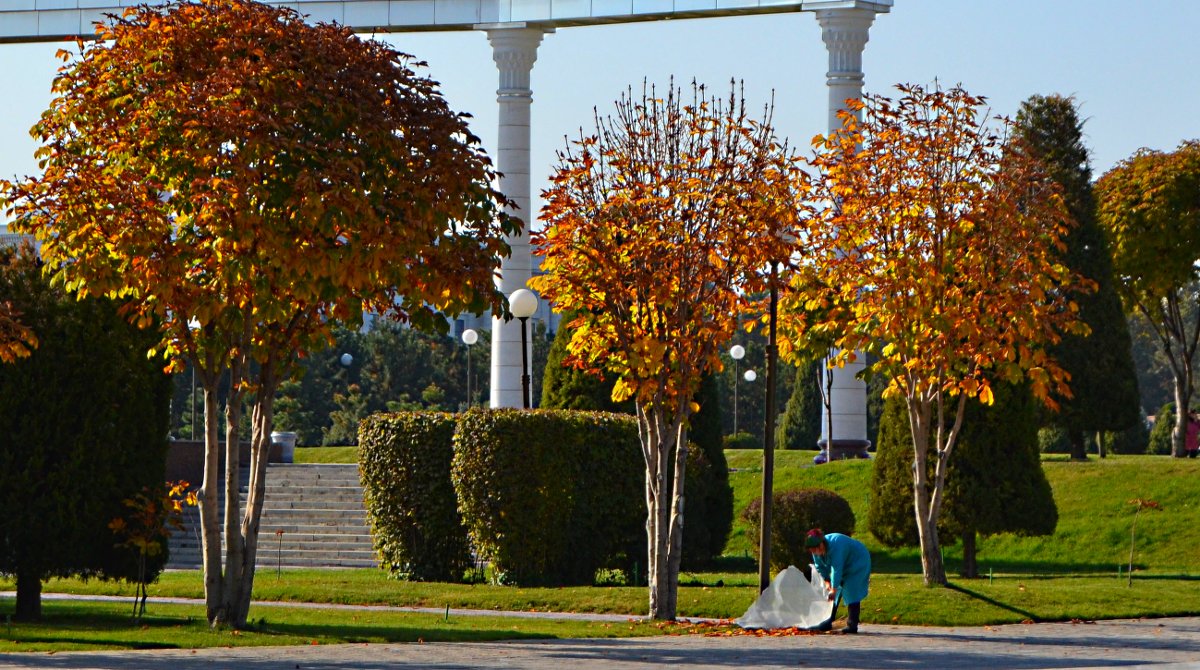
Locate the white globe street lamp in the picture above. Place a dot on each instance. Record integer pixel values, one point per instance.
(750, 375)
(523, 304)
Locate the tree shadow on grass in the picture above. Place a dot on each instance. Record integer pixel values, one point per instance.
(994, 603)
(361, 633)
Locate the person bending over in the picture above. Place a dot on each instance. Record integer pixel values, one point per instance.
(845, 565)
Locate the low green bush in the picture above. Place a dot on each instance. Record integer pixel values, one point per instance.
(411, 504)
(1054, 440)
(1159, 443)
(551, 496)
(793, 514)
(742, 441)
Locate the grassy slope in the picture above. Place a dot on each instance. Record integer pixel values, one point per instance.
(1095, 516)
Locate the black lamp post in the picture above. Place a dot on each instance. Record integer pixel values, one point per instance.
(523, 304)
(469, 337)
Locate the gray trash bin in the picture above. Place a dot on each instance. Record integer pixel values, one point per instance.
(287, 445)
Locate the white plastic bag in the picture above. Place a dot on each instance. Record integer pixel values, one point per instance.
(791, 600)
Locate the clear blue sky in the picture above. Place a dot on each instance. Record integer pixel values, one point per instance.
(1131, 66)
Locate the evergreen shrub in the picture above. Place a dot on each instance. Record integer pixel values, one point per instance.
(708, 508)
(742, 441)
(1159, 442)
(411, 504)
(793, 514)
(551, 496)
(1053, 439)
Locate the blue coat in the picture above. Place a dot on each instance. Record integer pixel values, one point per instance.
(846, 565)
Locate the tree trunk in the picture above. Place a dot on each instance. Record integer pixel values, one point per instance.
(260, 450)
(932, 566)
(1100, 450)
(664, 507)
(29, 597)
(970, 567)
(209, 510)
(1078, 445)
(234, 542)
(1179, 433)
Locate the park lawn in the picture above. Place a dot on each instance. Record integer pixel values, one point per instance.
(94, 626)
(1095, 516)
(326, 455)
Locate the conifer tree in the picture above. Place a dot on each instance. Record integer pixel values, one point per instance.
(1103, 377)
(800, 425)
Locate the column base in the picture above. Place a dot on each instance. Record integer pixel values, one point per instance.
(842, 450)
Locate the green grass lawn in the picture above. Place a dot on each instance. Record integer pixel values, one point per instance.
(1072, 574)
(73, 626)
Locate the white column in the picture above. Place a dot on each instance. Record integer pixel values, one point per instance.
(845, 33)
(514, 48)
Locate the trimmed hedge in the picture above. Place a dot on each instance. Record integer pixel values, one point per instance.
(550, 496)
(411, 504)
(793, 514)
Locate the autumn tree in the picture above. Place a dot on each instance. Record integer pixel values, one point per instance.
(1103, 381)
(939, 258)
(249, 181)
(658, 226)
(1148, 205)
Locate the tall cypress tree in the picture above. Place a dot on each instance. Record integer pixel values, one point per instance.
(83, 425)
(800, 425)
(572, 388)
(1103, 377)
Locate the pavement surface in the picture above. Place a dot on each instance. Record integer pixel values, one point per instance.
(1162, 644)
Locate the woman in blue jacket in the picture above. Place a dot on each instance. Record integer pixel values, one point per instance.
(845, 565)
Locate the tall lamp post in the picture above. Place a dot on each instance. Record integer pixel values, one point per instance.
(469, 337)
(737, 352)
(523, 304)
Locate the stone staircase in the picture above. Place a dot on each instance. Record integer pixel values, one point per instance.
(318, 508)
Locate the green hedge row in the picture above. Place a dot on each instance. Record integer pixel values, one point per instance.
(546, 496)
(405, 463)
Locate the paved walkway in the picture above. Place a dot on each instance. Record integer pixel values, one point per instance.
(1161, 644)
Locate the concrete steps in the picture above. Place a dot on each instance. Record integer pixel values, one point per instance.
(313, 516)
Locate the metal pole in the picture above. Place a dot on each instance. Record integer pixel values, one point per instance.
(735, 396)
(525, 397)
(468, 376)
(764, 539)
(193, 436)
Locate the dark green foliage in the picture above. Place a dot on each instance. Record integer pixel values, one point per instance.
(1159, 442)
(405, 463)
(572, 388)
(1053, 439)
(995, 483)
(890, 516)
(793, 514)
(550, 496)
(1103, 378)
(742, 441)
(84, 422)
(393, 368)
(800, 425)
(1132, 440)
(708, 498)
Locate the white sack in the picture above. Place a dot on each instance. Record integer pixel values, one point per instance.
(791, 600)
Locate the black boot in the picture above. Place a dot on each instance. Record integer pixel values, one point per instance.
(852, 621)
(826, 625)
